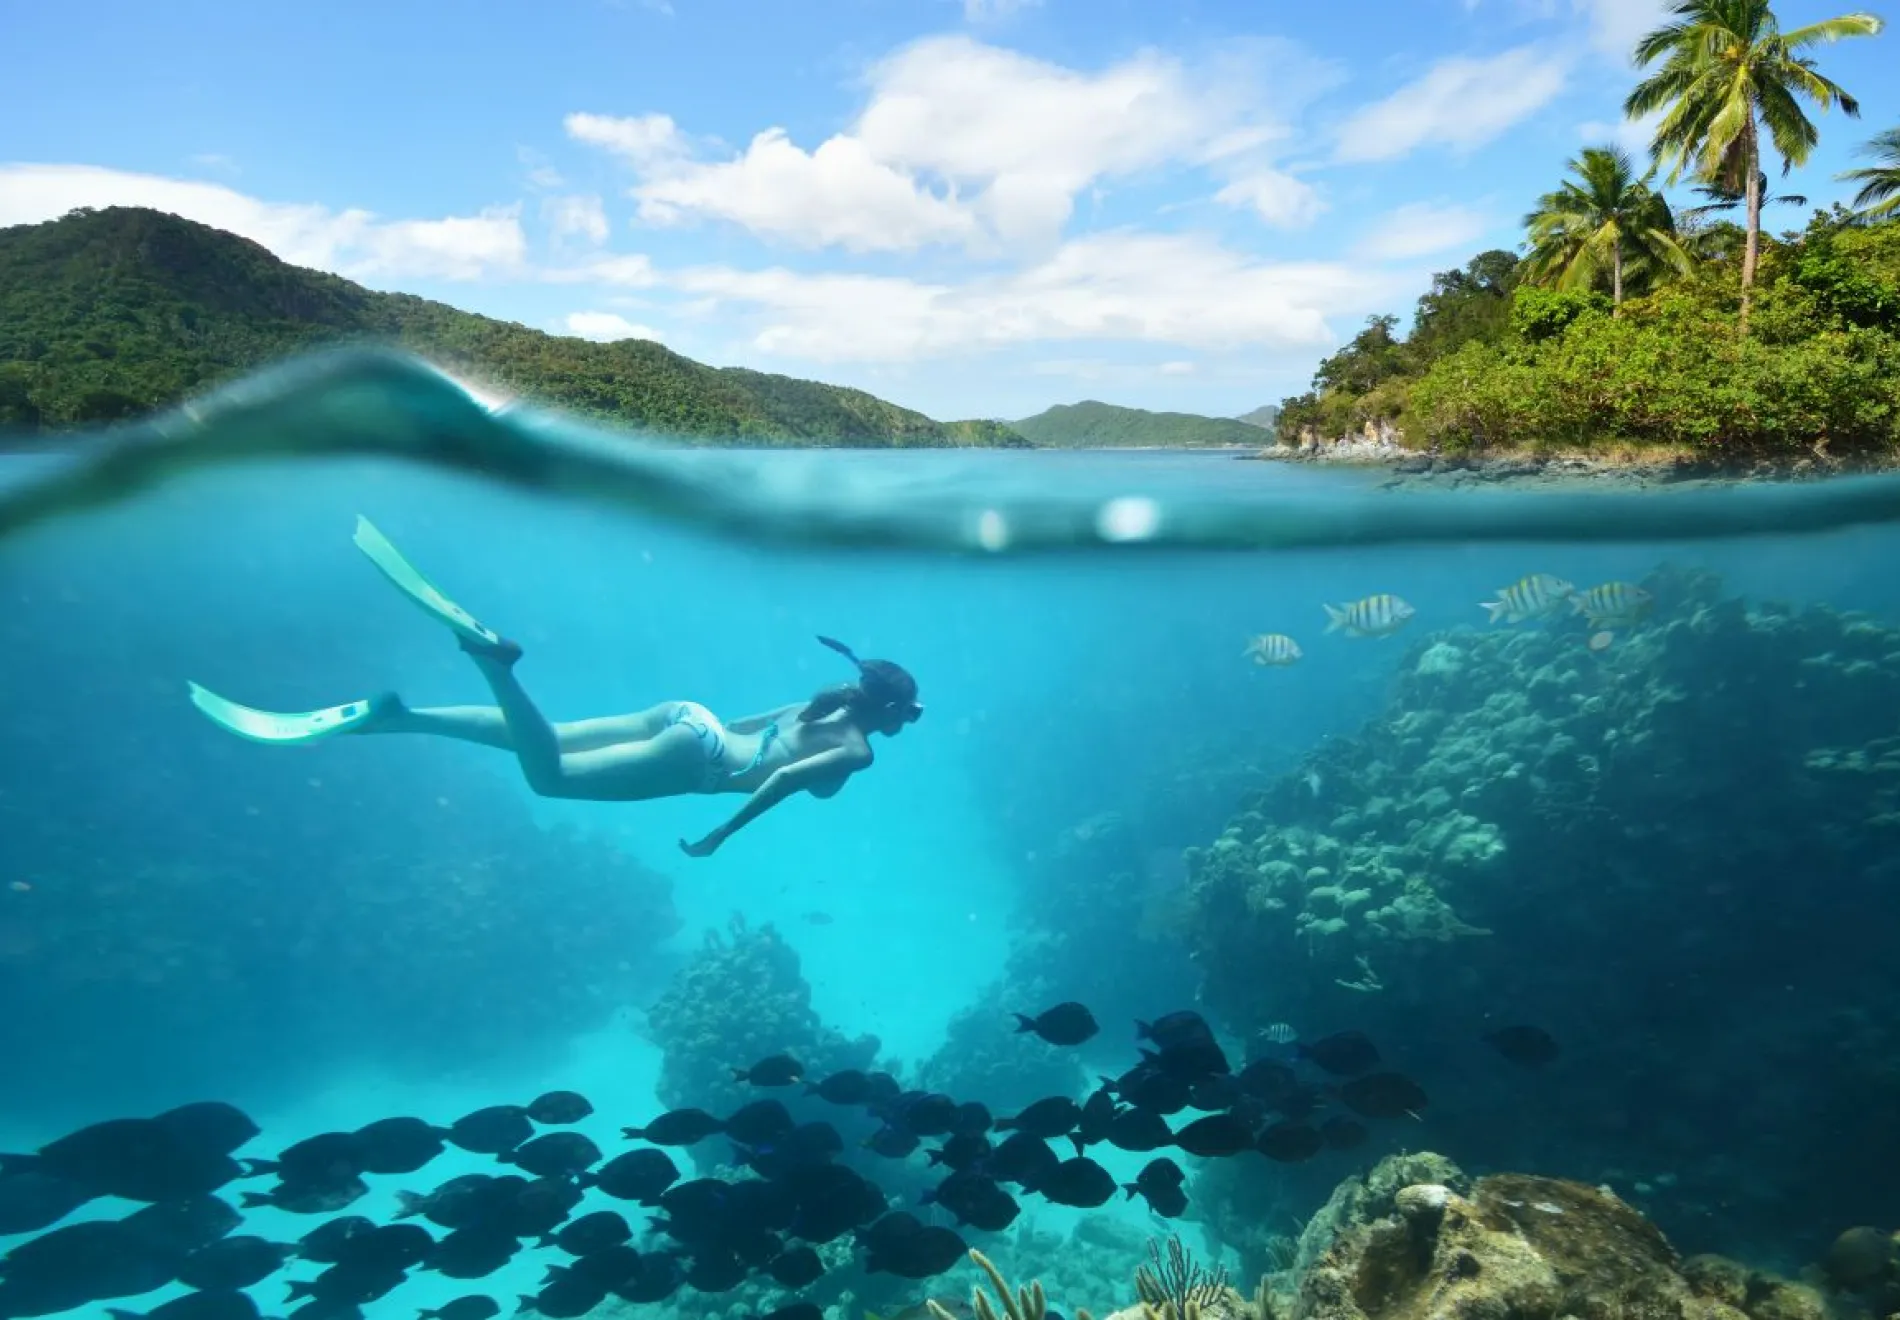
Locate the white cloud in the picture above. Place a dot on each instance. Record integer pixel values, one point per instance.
(1276, 196)
(352, 242)
(607, 327)
(456, 248)
(645, 140)
(216, 160)
(835, 196)
(964, 143)
(630, 270)
(581, 215)
(1177, 368)
(1617, 25)
(1419, 229)
(1130, 287)
(1461, 103)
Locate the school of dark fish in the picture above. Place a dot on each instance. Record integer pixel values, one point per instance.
(705, 1234)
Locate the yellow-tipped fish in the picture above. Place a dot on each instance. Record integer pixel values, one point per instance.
(1375, 616)
(1533, 597)
(1273, 649)
(1613, 605)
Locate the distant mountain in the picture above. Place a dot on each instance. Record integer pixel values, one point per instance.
(1266, 416)
(1093, 425)
(111, 313)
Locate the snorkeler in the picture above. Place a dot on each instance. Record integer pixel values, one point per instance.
(669, 750)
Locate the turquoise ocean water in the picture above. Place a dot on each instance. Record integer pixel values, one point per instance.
(332, 934)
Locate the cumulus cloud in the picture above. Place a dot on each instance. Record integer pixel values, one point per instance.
(576, 216)
(838, 195)
(1177, 289)
(968, 144)
(1275, 196)
(352, 242)
(1419, 229)
(642, 139)
(607, 327)
(1460, 102)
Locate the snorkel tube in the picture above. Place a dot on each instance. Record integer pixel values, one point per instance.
(886, 684)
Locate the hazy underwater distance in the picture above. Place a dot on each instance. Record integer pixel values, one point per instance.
(1429, 825)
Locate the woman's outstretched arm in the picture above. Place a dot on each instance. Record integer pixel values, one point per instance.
(835, 764)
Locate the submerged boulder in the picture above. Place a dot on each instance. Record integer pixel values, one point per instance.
(1517, 1247)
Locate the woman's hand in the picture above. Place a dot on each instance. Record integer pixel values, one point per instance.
(706, 847)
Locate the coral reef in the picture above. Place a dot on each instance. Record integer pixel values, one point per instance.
(1614, 844)
(1527, 1248)
(741, 998)
(1025, 1303)
(1178, 1287)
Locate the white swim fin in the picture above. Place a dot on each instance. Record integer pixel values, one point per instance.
(269, 726)
(418, 588)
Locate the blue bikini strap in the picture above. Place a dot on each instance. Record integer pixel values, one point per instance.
(766, 740)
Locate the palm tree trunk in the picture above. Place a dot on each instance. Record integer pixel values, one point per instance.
(1616, 277)
(1751, 151)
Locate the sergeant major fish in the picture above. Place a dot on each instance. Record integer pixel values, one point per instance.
(1375, 616)
(1613, 605)
(1275, 650)
(1533, 597)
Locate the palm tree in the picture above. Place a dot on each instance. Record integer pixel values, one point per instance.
(1729, 71)
(1879, 193)
(1603, 221)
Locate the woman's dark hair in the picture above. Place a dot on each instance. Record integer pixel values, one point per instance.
(883, 686)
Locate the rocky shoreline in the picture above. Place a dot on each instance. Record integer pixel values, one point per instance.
(1410, 467)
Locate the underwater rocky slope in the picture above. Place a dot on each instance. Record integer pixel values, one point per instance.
(1676, 854)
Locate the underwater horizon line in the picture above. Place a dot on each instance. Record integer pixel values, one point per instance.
(379, 403)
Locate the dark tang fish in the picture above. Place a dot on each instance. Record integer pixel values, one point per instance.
(1066, 1024)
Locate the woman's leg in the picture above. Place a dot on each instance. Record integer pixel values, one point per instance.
(486, 726)
(667, 763)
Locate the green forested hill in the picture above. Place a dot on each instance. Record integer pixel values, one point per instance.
(1093, 425)
(1267, 416)
(111, 313)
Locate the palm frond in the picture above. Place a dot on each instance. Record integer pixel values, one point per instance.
(1830, 30)
(1879, 195)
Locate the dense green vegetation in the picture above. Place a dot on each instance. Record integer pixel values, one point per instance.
(1496, 362)
(1629, 326)
(1093, 425)
(112, 313)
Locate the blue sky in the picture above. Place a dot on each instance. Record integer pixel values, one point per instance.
(973, 207)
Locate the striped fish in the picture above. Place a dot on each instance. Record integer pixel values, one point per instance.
(1375, 616)
(1613, 605)
(1528, 598)
(1273, 649)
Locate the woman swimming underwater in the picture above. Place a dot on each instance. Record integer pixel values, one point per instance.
(668, 750)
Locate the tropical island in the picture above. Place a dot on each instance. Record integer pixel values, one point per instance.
(109, 314)
(1629, 329)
